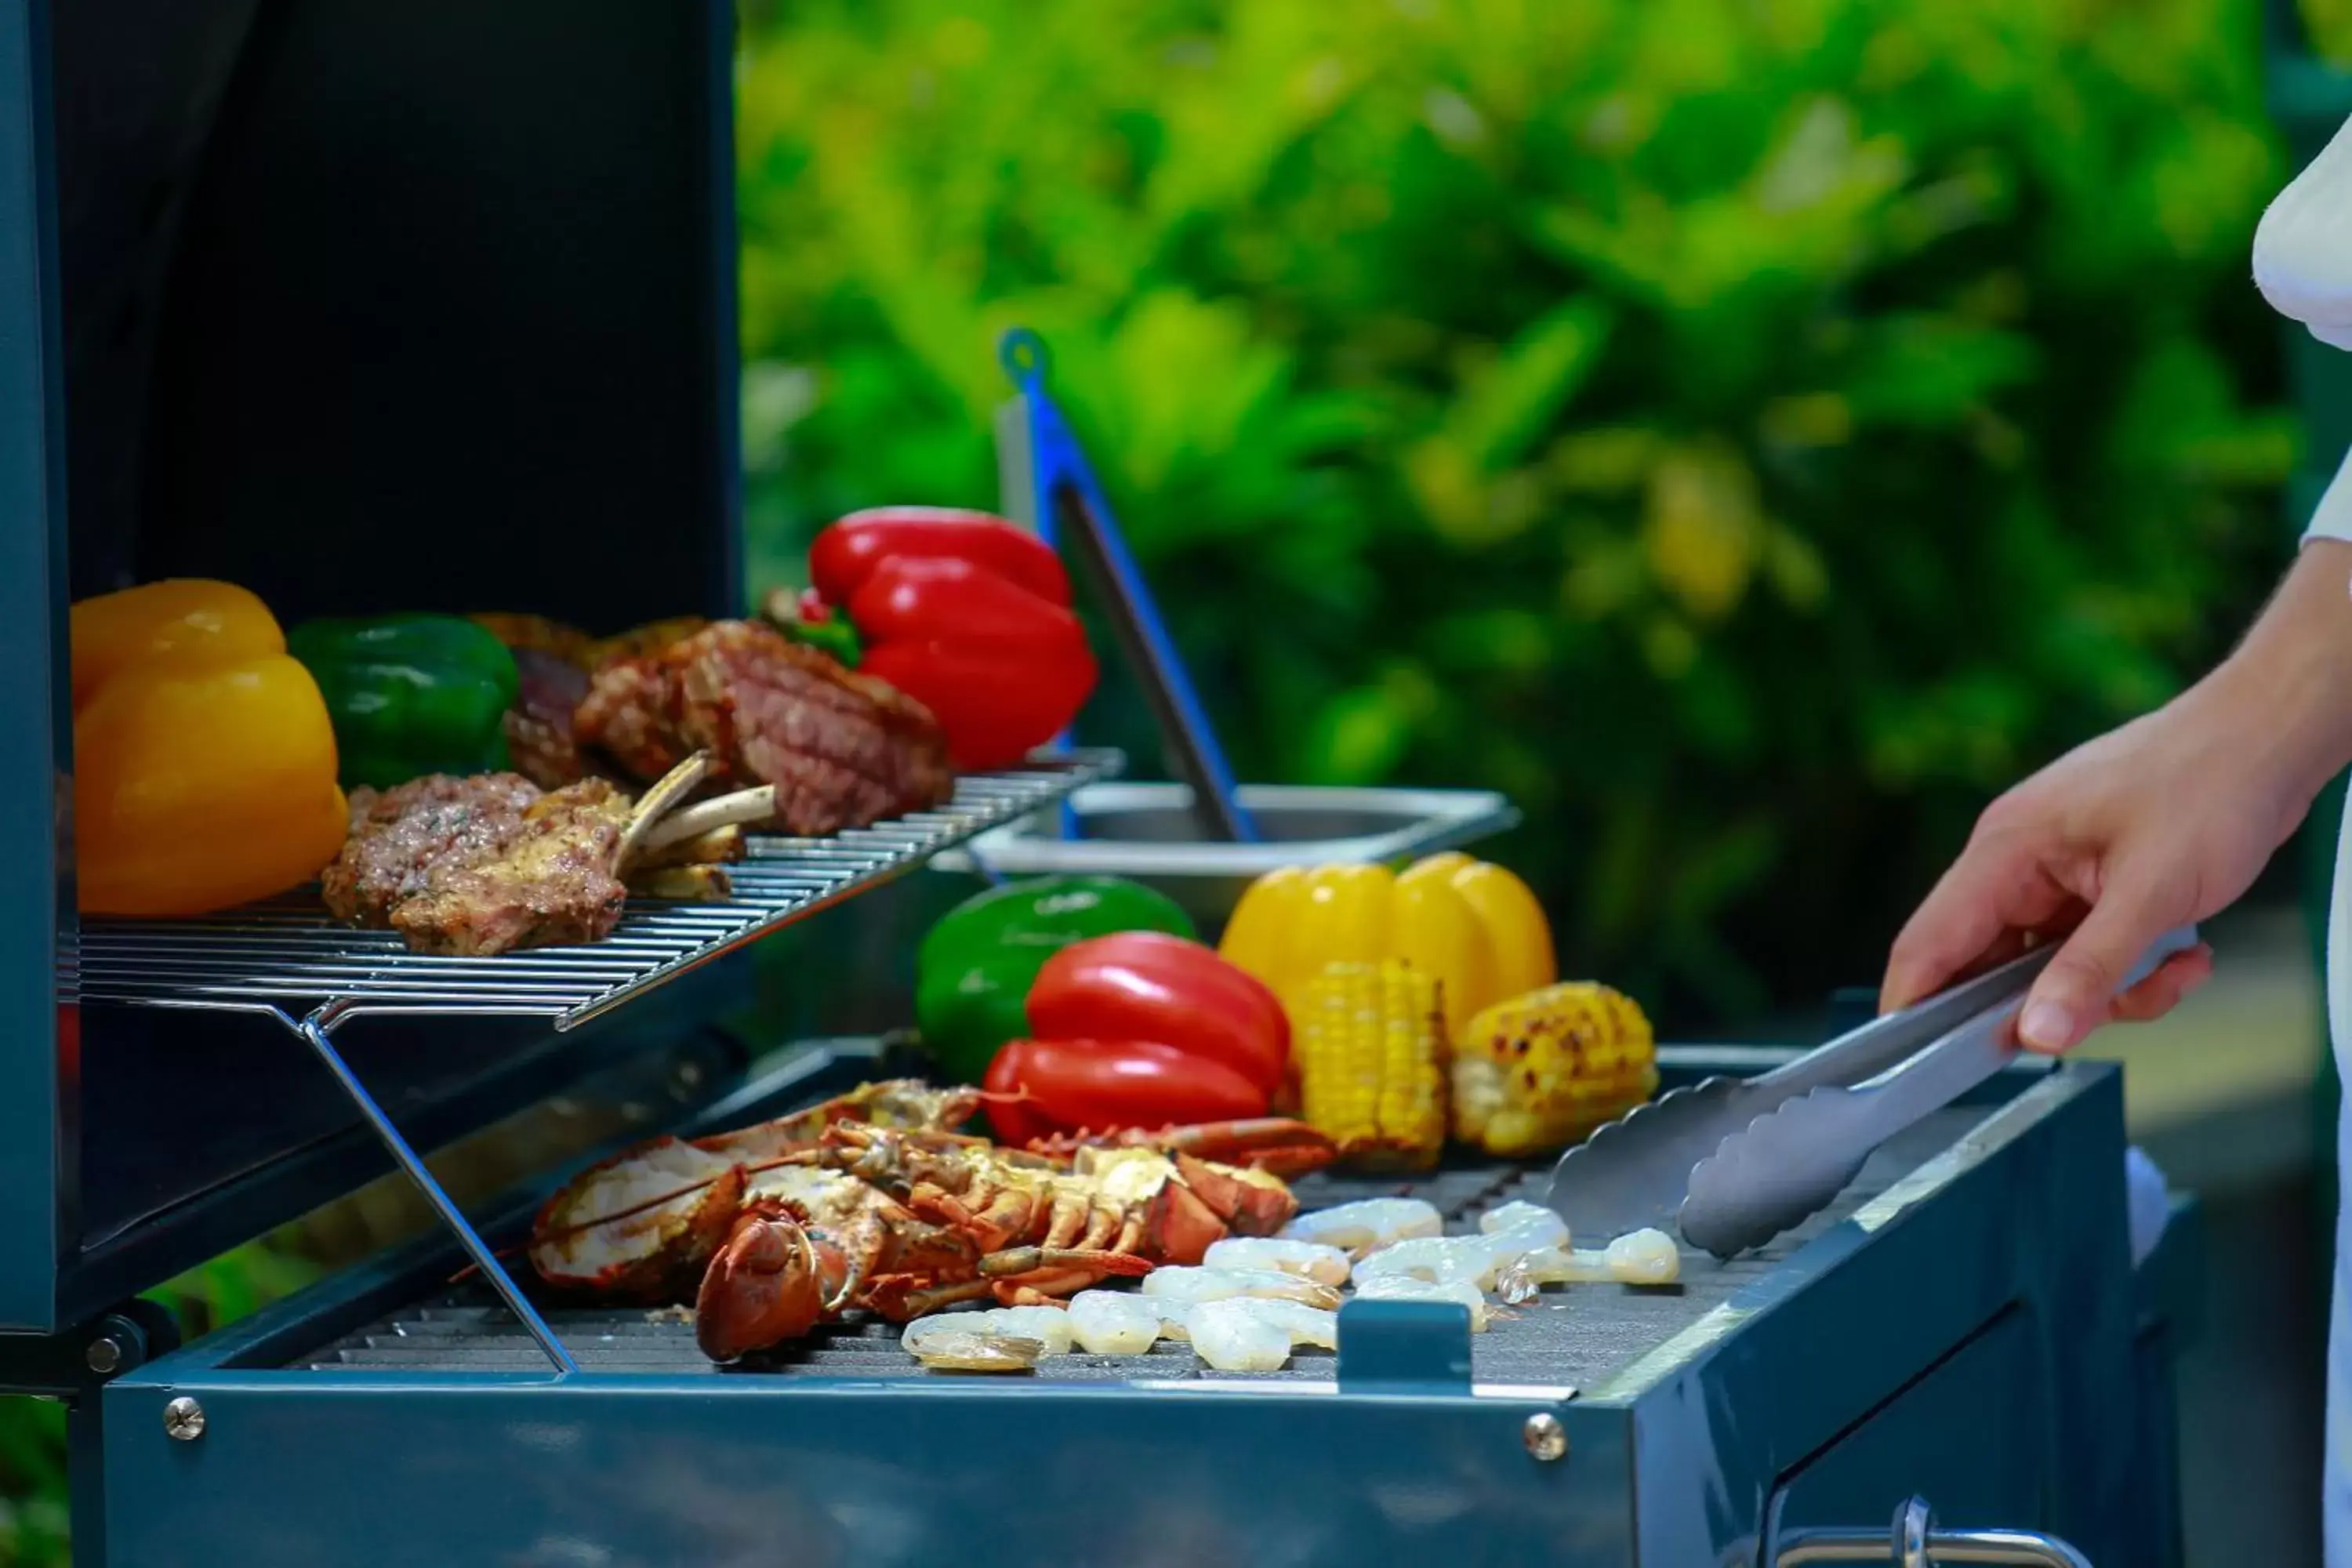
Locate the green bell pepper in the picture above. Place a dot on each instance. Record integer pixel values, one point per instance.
(410, 695)
(974, 970)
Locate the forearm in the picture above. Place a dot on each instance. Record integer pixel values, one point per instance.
(2287, 689)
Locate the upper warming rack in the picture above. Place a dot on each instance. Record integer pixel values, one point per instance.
(286, 955)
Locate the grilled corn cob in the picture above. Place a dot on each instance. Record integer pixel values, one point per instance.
(1536, 1073)
(1369, 1042)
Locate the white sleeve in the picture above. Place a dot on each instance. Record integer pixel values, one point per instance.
(2332, 518)
(2302, 265)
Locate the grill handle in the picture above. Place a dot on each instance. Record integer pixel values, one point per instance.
(1916, 1543)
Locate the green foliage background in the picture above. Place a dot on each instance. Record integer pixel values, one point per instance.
(1747, 435)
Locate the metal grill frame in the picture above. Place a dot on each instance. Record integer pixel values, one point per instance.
(286, 957)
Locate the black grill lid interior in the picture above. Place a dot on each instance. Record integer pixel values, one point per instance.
(366, 307)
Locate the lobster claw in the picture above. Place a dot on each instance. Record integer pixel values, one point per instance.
(762, 1288)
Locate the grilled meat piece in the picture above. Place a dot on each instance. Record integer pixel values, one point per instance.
(842, 750)
(538, 725)
(487, 864)
(556, 882)
(400, 837)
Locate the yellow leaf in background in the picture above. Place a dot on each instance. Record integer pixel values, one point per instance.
(1604, 461)
(1447, 487)
(1704, 531)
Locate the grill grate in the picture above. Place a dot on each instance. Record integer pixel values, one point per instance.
(286, 954)
(1577, 1337)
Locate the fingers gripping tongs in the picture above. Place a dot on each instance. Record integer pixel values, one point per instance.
(1737, 1162)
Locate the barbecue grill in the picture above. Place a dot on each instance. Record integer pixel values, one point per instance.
(430, 306)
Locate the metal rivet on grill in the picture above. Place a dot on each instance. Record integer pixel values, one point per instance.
(184, 1418)
(1546, 1438)
(104, 1355)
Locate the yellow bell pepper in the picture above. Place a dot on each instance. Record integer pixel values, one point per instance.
(204, 760)
(1473, 929)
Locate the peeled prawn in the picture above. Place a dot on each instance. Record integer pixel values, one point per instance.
(1438, 1258)
(1638, 1257)
(1367, 1223)
(1306, 1325)
(1405, 1288)
(1311, 1260)
(1050, 1326)
(1006, 1338)
(1520, 1217)
(960, 1342)
(1230, 1337)
(1114, 1322)
(1192, 1286)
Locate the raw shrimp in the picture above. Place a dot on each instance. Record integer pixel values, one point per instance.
(955, 1342)
(1114, 1322)
(1306, 1325)
(1324, 1265)
(1228, 1336)
(1638, 1257)
(1367, 1223)
(1479, 1259)
(1520, 1217)
(1440, 1259)
(1190, 1286)
(1404, 1288)
(1050, 1326)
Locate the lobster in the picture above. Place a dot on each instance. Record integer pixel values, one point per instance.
(870, 1202)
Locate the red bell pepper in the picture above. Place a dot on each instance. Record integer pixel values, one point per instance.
(1148, 985)
(966, 613)
(1104, 1084)
(1139, 1029)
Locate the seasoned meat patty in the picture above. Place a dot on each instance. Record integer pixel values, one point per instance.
(400, 837)
(842, 750)
(483, 864)
(556, 882)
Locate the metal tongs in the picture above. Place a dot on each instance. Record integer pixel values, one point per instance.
(1737, 1162)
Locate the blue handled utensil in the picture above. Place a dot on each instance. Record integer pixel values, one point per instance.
(1049, 485)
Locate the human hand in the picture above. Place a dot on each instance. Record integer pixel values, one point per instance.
(2163, 821)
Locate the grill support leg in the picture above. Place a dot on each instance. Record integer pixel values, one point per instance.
(314, 1030)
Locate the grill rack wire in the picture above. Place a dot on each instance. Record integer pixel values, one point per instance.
(286, 955)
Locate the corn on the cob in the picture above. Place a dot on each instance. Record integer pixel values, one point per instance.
(1536, 1073)
(1370, 1043)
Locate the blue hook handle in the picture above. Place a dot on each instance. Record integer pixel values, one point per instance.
(1064, 488)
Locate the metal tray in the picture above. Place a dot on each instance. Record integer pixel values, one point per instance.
(1147, 831)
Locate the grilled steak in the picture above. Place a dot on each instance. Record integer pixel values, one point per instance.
(482, 864)
(538, 726)
(842, 748)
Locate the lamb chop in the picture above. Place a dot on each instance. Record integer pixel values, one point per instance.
(834, 748)
(487, 864)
